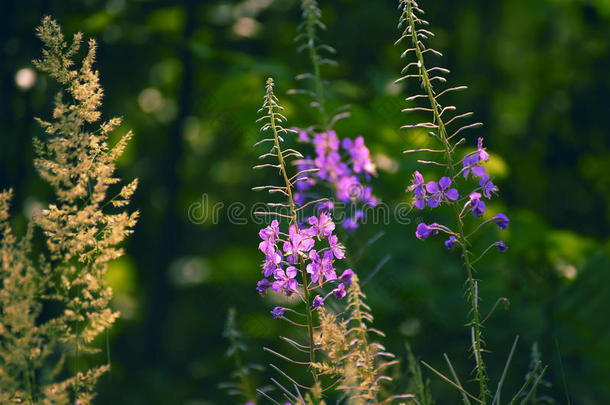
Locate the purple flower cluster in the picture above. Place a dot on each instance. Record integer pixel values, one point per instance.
(433, 194)
(314, 248)
(340, 164)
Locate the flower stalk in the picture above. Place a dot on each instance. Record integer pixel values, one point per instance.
(272, 106)
(433, 194)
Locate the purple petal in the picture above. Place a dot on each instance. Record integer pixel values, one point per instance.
(452, 194)
(420, 203)
(432, 187)
(291, 272)
(478, 171)
(444, 182)
(433, 202)
(293, 284)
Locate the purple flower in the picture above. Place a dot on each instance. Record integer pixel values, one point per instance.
(478, 206)
(481, 153)
(298, 243)
(367, 196)
(339, 292)
(299, 198)
(351, 223)
(346, 276)
(324, 225)
(326, 141)
(318, 301)
(278, 312)
(332, 169)
(272, 262)
(262, 286)
(326, 206)
(423, 231)
(285, 281)
(488, 186)
(471, 164)
(417, 186)
(267, 247)
(472, 161)
(335, 247)
(450, 243)
(440, 191)
(303, 136)
(348, 188)
(271, 232)
(360, 154)
(501, 246)
(321, 267)
(501, 220)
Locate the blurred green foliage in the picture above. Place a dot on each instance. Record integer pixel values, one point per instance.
(188, 77)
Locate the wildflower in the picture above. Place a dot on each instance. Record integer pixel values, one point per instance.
(417, 186)
(423, 231)
(501, 246)
(336, 248)
(481, 153)
(487, 186)
(351, 223)
(440, 191)
(271, 232)
(278, 312)
(360, 154)
(346, 276)
(326, 141)
(326, 206)
(478, 206)
(450, 243)
(303, 136)
(339, 292)
(321, 266)
(333, 170)
(263, 285)
(348, 188)
(267, 246)
(299, 243)
(501, 220)
(318, 301)
(367, 197)
(472, 161)
(323, 226)
(272, 262)
(285, 281)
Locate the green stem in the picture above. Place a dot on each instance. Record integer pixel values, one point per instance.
(293, 221)
(481, 374)
(246, 385)
(309, 8)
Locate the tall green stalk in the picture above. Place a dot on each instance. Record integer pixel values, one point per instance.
(272, 106)
(481, 372)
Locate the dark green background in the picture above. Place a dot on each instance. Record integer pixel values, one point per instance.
(538, 77)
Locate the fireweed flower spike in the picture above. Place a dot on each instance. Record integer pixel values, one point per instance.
(339, 165)
(301, 261)
(343, 165)
(463, 176)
